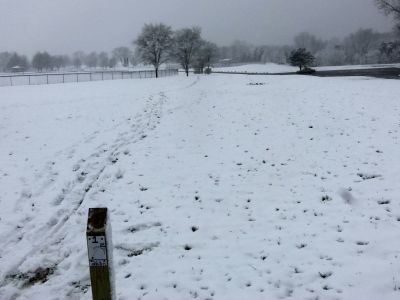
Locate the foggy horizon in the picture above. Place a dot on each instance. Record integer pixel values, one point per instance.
(62, 27)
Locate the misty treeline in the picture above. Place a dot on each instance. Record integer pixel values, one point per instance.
(158, 44)
(364, 46)
(43, 61)
(186, 47)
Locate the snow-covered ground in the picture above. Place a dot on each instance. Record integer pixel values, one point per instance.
(218, 188)
(357, 67)
(259, 68)
(275, 68)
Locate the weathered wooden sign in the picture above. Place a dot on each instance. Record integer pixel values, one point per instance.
(99, 254)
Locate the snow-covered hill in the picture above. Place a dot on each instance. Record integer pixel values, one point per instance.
(258, 68)
(276, 68)
(220, 187)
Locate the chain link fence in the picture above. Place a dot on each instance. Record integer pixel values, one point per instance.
(53, 78)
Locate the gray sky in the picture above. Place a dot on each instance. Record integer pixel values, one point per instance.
(63, 26)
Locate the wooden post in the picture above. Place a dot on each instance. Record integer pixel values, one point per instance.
(99, 253)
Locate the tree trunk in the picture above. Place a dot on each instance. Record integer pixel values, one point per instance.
(187, 70)
(156, 72)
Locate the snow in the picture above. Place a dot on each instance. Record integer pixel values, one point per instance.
(217, 189)
(357, 67)
(276, 68)
(259, 68)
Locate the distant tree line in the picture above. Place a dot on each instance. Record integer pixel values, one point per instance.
(158, 44)
(9, 60)
(44, 62)
(364, 46)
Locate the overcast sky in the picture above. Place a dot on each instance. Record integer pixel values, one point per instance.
(63, 26)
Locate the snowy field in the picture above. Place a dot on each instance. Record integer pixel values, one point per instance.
(218, 188)
(275, 68)
(259, 68)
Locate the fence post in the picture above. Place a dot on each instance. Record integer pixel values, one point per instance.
(99, 246)
(63, 78)
(47, 78)
(90, 75)
(77, 77)
(11, 80)
(29, 78)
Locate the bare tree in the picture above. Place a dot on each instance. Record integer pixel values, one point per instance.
(77, 59)
(91, 60)
(4, 58)
(258, 53)
(187, 43)
(308, 41)
(357, 45)
(276, 54)
(17, 62)
(240, 51)
(389, 7)
(112, 62)
(153, 44)
(332, 55)
(41, 60)
(59, 61)
(103, 60)
(206, 55)
(390, 52)
(123, 54)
